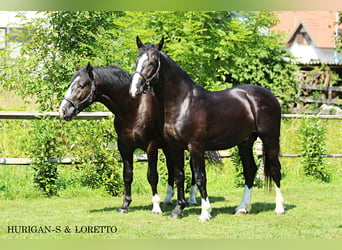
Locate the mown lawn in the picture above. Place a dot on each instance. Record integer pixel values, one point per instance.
(313, 211)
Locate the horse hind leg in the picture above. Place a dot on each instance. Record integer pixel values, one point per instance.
(249, 172)
(170, 190)
(127, 158)
(170, 182)
(193, 189)
(272, 172)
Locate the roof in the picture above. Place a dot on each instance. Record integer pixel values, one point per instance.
(320, 25)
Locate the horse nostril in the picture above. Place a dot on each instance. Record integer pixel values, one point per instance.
(62, 112)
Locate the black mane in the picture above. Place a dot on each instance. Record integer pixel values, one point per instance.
(113, 75)
(182, 71)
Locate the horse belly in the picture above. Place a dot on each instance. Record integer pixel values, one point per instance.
(226, 133)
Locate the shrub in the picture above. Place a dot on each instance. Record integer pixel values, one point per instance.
(43, 146)
(93, 143)
(313, 149)
(238, 168)
(89, 143)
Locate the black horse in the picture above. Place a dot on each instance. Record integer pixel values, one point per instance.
(136, 122)
(197, 120)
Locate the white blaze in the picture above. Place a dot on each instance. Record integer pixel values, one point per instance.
(68, 94)
(136, 77)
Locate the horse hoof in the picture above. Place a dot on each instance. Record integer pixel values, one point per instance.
(122, 211)
(176, 216)
(203, 219)
(279, 213)
(241, 212)
(157, 212)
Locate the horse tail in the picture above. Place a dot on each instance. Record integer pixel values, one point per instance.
(267, 172)
(213, 157)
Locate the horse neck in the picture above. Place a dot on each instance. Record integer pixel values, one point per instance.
(115, 97)
(173, 84)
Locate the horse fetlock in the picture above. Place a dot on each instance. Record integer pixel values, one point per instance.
(156, 205)
(241, 211)
(177, 212)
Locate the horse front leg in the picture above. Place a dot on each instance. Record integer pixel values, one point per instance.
(127, 158)
(152, 176)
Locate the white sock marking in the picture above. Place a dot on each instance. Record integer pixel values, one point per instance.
(245, 205)
(206, 210)
(192, 198)
(156, 201)
(279, 202)
(169, 194)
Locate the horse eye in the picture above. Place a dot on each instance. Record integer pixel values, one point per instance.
(82, 85)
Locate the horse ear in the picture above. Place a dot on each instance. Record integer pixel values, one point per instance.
(139, 43)
(90, 71)
(77, 68)
(160, 44)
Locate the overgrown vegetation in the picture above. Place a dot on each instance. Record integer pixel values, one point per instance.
(313, 149)
(218, 49)
(94, 145)
(43, 147)
(91, 145)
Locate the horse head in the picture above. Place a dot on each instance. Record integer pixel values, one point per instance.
(80, 94)
(147, 66)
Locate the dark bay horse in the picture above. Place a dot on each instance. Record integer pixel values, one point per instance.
(196, 120)
(135, 122)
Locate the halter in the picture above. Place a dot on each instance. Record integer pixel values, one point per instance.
(148, 80)
(84, 103)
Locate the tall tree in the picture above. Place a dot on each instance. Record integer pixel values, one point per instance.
(218, 49)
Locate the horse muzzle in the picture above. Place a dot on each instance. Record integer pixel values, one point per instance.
(67, 114)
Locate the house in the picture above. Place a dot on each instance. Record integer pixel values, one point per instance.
(310, 36)
(10, 21)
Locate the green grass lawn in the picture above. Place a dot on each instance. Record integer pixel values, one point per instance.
(313, 211)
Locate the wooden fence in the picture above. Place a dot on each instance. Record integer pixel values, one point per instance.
(30, 115)
(327, 99)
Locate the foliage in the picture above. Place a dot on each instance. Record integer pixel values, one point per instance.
(313, 148)
(89, 143)
(43, 147)
(218, 49)
(94, 145)
(224, 49)
(54, 44)
(239, 179)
